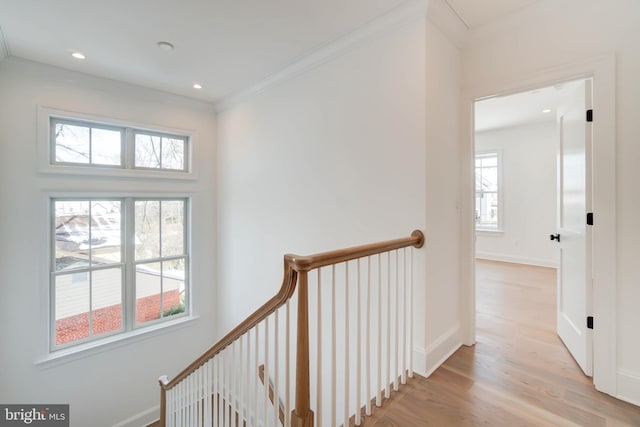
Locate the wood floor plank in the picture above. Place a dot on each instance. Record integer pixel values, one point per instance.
(518, 374)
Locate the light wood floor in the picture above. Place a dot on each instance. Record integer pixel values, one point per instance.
(518, 374)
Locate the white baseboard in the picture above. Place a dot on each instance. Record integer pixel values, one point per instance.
(420, 361)
(430, 358)
(518, 259)
(142, 419)
(629, 387)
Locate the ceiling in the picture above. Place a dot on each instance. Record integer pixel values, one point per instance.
(474, 13)
(224, 45)
(534, 106)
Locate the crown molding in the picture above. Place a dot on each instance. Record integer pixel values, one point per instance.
(407, 12)
(442, 15)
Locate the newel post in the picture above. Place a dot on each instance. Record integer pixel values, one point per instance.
(163, 401)
(302, 415)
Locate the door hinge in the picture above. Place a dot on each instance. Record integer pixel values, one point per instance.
(589, 322)
(590, 218)
(589, 115)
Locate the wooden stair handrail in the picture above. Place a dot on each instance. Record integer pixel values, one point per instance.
(292, 265)
(295, 266)
(311, 262)
(286, 291)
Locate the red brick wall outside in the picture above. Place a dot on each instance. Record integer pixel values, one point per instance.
(109, 319)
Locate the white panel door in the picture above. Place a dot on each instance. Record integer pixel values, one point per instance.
(573, 235)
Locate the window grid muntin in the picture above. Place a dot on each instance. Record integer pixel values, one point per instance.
(54, 273)
(127, 266)
(54, 121)
(162, 136)
(161, 259)
(127, 145)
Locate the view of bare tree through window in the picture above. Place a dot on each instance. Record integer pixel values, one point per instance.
(93, 144)
(117, 263)
(88, 269)
(160, 259)
(75, 143)
(159, 152)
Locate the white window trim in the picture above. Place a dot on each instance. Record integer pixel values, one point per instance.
(50, 358)
(129, 323)
(484, 230)
(90, 348)
(44, 148)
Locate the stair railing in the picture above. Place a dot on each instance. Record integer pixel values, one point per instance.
(245, 378)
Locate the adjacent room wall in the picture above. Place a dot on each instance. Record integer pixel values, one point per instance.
(528, 194)
(550, 34)
(118, 382)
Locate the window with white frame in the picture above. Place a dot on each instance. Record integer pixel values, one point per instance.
(118, 263)
(488, 211)
(84, 143)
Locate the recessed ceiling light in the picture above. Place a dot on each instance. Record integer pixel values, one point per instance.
(197, 86)
(78, 55)
(548, 110)
(166, 46)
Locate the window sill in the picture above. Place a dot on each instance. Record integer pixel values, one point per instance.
(489, 232)
(113, 172)
(70, 354)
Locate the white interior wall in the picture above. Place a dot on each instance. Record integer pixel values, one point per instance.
(443, 75)
(118, 382)
(529, 194)
(550, 34)
(340, 156)
(328, 159)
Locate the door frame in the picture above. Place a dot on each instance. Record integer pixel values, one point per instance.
(601, 70)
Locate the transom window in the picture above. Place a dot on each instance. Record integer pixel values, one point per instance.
(488, 210)
(84, 143)
(117, 264)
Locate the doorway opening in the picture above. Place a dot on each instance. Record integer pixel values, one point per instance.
(532, 194)
(602, 70)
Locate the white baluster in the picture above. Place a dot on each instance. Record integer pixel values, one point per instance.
(216, 390)
(367, 345)
(227, 386)
(359, 348)
(189, 395)
(190, 400)
(397, 334)
(207, 393)
(256, 378)
(404, 316)
(346, 343)
(198, 396)
(387, 389)
(221, 390)
(265, 402)
(333, 345)
(287, 399)
(276, 361)
(178, 404)
(247, 380)
(241, 374)
(319, 353)
(379, 314)
(411, 315)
